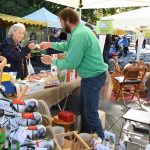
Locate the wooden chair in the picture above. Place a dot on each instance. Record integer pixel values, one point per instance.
(67, 125)
(118, 72)
(131, 81)
(76, 144)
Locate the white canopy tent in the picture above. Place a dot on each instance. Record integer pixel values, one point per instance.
(51, 20)
(47, 17)
(96, 4)
(44, 15)
(137, 20)
(131, 19)
(93, 4)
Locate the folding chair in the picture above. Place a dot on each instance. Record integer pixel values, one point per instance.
(136, 127)
(130, 83)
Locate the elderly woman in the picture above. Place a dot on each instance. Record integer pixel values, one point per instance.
(15, 54)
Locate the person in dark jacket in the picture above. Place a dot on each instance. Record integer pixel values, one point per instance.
(107, 45)
(125, 46)
(15, 54)
(144, 44)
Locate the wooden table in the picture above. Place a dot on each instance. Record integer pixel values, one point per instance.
(55, 94)
(66, 125)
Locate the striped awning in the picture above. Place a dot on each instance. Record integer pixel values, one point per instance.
(8, 20)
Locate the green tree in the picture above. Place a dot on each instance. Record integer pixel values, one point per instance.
(15, 7)
(24, 7)
(92, 15)
(52, 7)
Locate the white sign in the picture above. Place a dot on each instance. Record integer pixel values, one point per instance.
(20, 135)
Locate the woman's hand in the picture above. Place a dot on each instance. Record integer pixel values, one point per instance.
(46, 59)
(28, 56)
(32, 45)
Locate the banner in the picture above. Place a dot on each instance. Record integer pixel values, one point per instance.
(104, 27)
(102, 39)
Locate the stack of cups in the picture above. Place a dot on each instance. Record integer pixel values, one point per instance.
(59, 130)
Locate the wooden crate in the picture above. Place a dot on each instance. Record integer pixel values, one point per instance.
(77, 143)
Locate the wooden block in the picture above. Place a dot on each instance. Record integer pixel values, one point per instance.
(67, 145)
(102, 116)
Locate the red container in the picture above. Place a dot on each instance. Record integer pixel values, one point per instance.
(66, 116)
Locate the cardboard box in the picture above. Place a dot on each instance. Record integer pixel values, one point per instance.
(58, 56)
(71, 75)
(54, 70)
(62, 75)
(66, 116)
(51, 81)
(57, 72)
(33, 87)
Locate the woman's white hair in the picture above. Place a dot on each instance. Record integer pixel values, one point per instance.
(15, 27)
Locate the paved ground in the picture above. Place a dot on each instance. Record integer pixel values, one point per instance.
(144, 54)
(115, 109)
(114, 112)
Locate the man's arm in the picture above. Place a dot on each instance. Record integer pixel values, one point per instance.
(74, 55)
(63, 46)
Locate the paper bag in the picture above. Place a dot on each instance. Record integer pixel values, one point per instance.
(106, 90)
(30, 68)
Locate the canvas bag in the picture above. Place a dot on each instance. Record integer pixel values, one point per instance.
(30, 68)
(106, 90)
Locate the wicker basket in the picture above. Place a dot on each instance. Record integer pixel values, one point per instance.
(46, 120)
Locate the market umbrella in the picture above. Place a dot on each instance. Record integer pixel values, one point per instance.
(118, 31)
(93, 4)
(96, 4)
(136, 20)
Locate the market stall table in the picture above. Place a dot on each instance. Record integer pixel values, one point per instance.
(55, 94)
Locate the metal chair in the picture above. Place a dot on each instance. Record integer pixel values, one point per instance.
(130, 83)
(136, 127)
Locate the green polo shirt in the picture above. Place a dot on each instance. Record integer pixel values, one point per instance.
(83, 53)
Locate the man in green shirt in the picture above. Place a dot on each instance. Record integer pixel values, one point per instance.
(84, 55)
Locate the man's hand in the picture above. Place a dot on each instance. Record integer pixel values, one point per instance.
(45, 45)
(46, 59)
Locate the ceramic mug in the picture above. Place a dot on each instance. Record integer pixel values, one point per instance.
(58, 130)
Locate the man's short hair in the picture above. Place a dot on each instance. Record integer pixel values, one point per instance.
(69, 14)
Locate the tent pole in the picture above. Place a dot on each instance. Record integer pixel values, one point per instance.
(41, 34)
(80, 13)
(80, 9)
(47, 35)
(140, 39)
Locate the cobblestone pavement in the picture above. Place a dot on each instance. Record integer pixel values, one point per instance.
(144, 54)
(115, 110)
